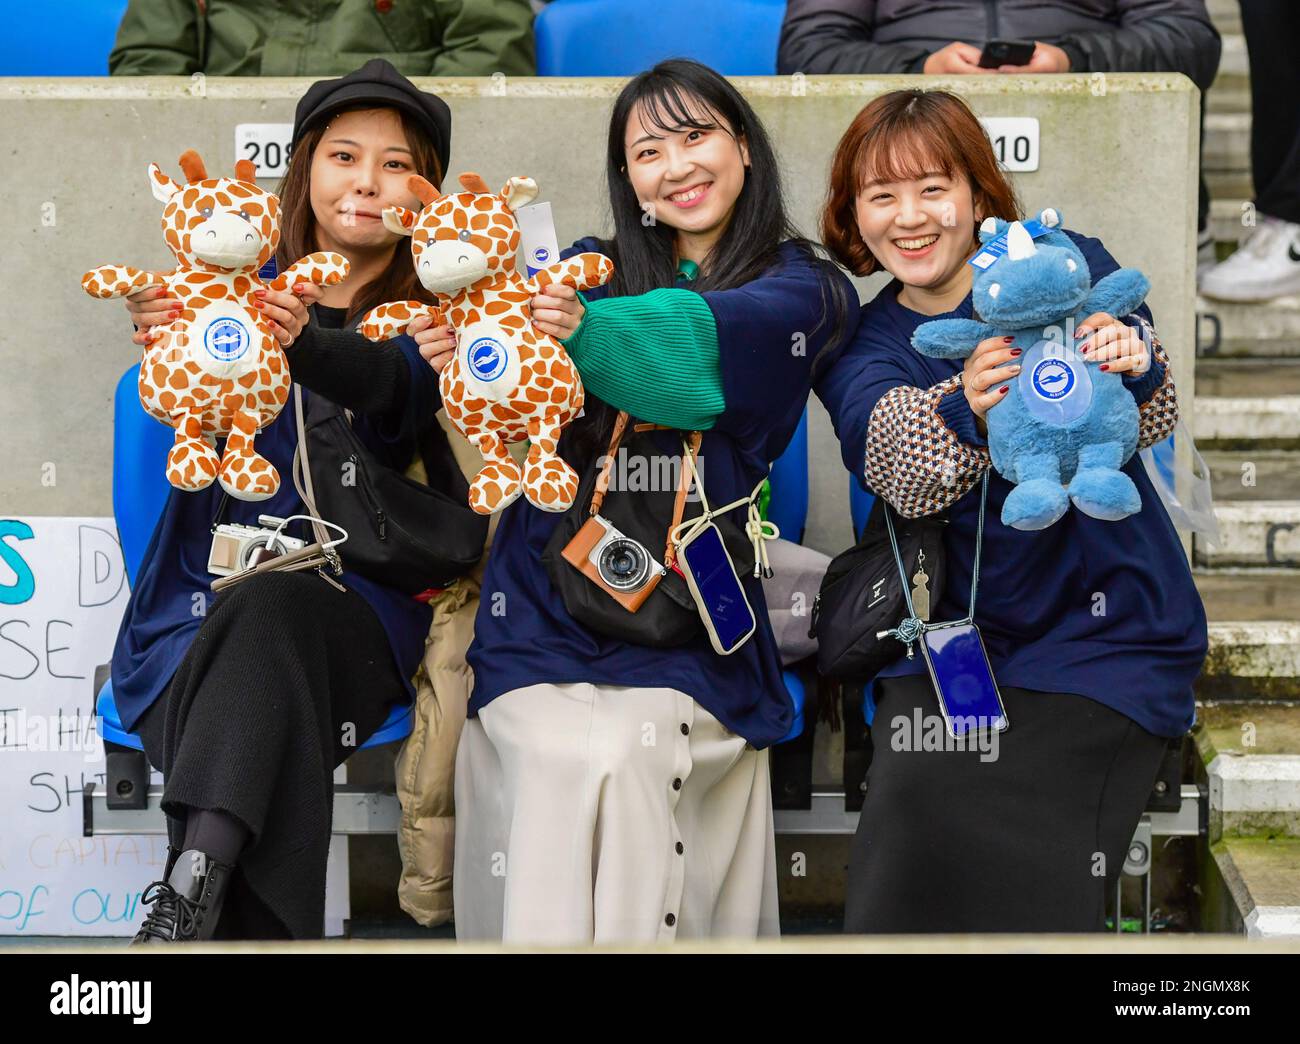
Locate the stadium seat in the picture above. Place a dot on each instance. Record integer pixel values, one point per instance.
(625, 37)
(75, 40)
(788, 510)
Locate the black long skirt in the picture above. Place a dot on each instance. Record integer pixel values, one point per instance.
(1031, 840)
(284, 680)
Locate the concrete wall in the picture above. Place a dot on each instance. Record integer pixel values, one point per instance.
(1118, 157)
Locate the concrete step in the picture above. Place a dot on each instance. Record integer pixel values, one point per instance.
(1253, 474)
(1230, 184)
(1228, 94)
(1251, 660)
(1247, 404)
(1242, 598)
(1256, 378)
(1269, 329)
(1226, 146)
(1251, 753)
(1251, 757)
(1226, 16)
(1226, 217)
(1254, 634)
(1234, 61)
(1251, 886)
(1254, 533)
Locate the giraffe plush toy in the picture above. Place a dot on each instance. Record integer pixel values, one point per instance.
(507, 380)
(217, 370)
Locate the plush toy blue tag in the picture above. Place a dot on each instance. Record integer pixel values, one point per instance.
(996, 247)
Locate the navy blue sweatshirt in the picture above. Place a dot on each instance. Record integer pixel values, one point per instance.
(1105, 610)
(523, 635)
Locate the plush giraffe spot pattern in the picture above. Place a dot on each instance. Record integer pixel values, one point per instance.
(178, 385)
(548, 393)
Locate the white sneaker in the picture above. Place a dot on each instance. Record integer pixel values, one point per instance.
(1267, 265)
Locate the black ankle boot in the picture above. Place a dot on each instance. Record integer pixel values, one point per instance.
(187, 905)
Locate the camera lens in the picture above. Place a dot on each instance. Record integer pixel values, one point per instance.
(623, 564)
(257, 550)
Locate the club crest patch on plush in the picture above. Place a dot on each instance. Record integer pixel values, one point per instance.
(216, 370)
(1065, 428)
(507, 380)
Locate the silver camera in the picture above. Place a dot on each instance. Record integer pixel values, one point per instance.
(238, 547)
(621, 562)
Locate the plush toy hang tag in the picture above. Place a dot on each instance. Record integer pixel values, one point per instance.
(996, 247)
(537, 236)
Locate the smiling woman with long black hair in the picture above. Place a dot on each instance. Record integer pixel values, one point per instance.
(607, 790)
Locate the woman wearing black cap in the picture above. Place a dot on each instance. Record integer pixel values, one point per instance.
(248, 706)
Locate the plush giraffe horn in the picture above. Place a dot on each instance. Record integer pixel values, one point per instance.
(474, 183)
(192, 164)
(422, 189)
(246, 170)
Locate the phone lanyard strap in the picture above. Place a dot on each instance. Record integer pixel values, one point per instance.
(911, 628)
(757, 528)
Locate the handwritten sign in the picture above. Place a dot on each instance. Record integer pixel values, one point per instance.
(63, 590)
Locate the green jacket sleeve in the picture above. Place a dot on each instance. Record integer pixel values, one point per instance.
(481, 37)
(157, 38)
(654, 355)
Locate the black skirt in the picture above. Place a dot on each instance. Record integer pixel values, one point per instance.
(1029, 840)
(285, 679)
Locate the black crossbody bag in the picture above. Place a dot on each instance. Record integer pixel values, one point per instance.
(862, 597)
(402, 533)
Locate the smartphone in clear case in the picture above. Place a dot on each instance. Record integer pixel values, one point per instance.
(963, 680)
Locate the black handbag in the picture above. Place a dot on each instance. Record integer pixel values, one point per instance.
(402, 533)
(862, 596)
(665, 615)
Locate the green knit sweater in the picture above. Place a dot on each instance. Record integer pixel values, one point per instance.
(654, 355)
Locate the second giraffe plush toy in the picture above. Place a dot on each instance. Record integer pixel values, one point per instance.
(217, 370)
(506, 380)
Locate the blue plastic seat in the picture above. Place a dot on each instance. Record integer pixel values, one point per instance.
(788, 509)
(140, 491)
(625, 37)
(75, 40)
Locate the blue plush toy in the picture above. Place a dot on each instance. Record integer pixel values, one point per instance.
(1064, 420)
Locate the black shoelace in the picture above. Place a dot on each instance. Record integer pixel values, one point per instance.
(173, 917)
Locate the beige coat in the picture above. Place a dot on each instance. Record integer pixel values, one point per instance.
(426, 764)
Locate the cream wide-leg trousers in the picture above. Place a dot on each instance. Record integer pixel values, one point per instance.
(608, 814)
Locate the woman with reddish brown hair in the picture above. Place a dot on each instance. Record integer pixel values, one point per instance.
(1025, 832)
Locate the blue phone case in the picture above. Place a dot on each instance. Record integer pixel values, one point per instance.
(963, 680)
(717, 591)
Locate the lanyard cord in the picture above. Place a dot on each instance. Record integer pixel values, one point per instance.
(757, 529)
(910, 629)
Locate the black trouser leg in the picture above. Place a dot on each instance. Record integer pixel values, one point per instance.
(283, 680)
(1272, 29)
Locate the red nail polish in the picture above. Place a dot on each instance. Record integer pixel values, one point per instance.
(1004, 389)
(1008, 339)
(1104, 367)
(1085, 349)
(259, 293)
(1016, 351)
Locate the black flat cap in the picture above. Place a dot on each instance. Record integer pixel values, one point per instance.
(379, 83)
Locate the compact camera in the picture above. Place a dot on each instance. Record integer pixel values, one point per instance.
(238, 547)
(621, 566)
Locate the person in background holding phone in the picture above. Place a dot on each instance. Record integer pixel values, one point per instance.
(918, 36)
(608, 791)
(246, 703)
(1094, 630)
